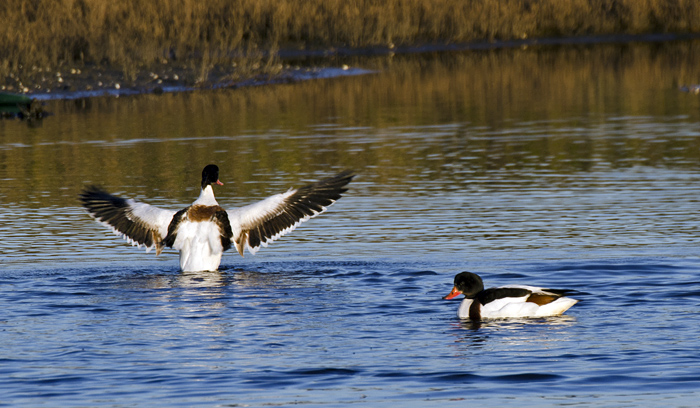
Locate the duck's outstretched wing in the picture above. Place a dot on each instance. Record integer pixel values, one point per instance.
(259, 224)
(139, 223)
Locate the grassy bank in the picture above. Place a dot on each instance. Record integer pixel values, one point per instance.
(132, 35)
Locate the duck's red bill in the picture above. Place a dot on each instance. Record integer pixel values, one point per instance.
(455, 292)
(219, 183)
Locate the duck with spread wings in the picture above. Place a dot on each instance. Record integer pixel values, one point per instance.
(202, 231)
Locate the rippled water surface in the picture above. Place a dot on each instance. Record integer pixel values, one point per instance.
(574, 167)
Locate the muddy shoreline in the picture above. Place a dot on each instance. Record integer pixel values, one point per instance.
(93, 81)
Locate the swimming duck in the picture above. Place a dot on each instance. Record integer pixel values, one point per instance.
(506, 301)
(202, 231)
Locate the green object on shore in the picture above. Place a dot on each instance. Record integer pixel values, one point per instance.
(9, 99)
(20, 106)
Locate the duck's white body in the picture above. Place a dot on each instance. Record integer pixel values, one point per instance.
(506, 301)
(512, 307)
(199, 242)
(200, 247)
(204, 230)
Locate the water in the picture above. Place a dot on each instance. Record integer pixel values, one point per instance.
(565, 167)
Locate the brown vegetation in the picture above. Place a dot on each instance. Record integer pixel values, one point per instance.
(130, 35)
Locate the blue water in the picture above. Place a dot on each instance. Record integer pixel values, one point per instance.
(339, 332)
(348, 309)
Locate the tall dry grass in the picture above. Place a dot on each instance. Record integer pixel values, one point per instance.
(131, 34)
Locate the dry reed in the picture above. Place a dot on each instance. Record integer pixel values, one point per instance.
(132, 34)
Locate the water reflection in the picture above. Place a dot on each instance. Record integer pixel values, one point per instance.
(448, 116)
(239, 280)
(202, 279)
(557, 148)
(514, 323)
(514, 336)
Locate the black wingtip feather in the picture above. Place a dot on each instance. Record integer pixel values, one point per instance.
(307, 201)
(114, 211)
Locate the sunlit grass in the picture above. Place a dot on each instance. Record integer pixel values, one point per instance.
(131, 34)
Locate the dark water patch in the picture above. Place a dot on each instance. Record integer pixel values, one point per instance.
(684, 293)
(611, 379)
(528, 377)
(46, 293)
(508, 276)
(71, 306)
(407, 288)
(471, 377)
(374, 275)
(38, 314)
(55, 380)
(422, 311)
(410, 273)
(344, 372)
(451, 377)
(269, 379)
(683, 379)
(346, 274)
(423, 273)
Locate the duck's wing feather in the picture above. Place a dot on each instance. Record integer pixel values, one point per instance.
(503, 293)
(261, 223)
(139, 223)
(521, 293)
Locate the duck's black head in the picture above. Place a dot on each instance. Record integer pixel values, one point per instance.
(468, 284)
(210, 175)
